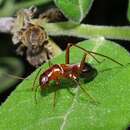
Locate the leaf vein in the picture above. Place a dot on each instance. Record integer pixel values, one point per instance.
(71, 108)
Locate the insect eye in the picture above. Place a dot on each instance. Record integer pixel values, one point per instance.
(44, 80)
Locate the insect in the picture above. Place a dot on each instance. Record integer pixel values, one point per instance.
(69, 71)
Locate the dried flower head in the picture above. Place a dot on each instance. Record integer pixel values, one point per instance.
(32, 39)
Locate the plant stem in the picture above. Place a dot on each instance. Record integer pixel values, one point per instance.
(10, 7)
(30, 3)
(86, 30)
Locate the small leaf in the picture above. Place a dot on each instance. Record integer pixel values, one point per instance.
(9, 65)
(74, 10)
(128, 11)
(110, 87)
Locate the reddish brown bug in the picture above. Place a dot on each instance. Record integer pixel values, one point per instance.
(67, 70)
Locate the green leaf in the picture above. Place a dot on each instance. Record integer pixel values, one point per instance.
(8, 66)
(74, 10)
(128, 11)
(110, 87)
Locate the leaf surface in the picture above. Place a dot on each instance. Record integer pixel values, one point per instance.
(74, 10)
(128, 10)
(75, 111)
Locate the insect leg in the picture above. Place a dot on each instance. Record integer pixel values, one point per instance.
(95, 53)
(35, 94)
(36, 87)
(68, 52)
(83, 61)
(33, 86)
(54, 98)
(86, 92)
(67, 55)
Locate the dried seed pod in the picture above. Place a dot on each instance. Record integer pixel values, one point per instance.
(33, 39)
(33, 35)
(22, 20)
(52, 15)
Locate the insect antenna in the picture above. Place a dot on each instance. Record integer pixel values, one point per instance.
(50, 63)
(35, 94)
(13, 76)
(91, 52)
(33, 85)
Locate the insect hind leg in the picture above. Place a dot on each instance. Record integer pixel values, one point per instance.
(86, 91)
(55, 92)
